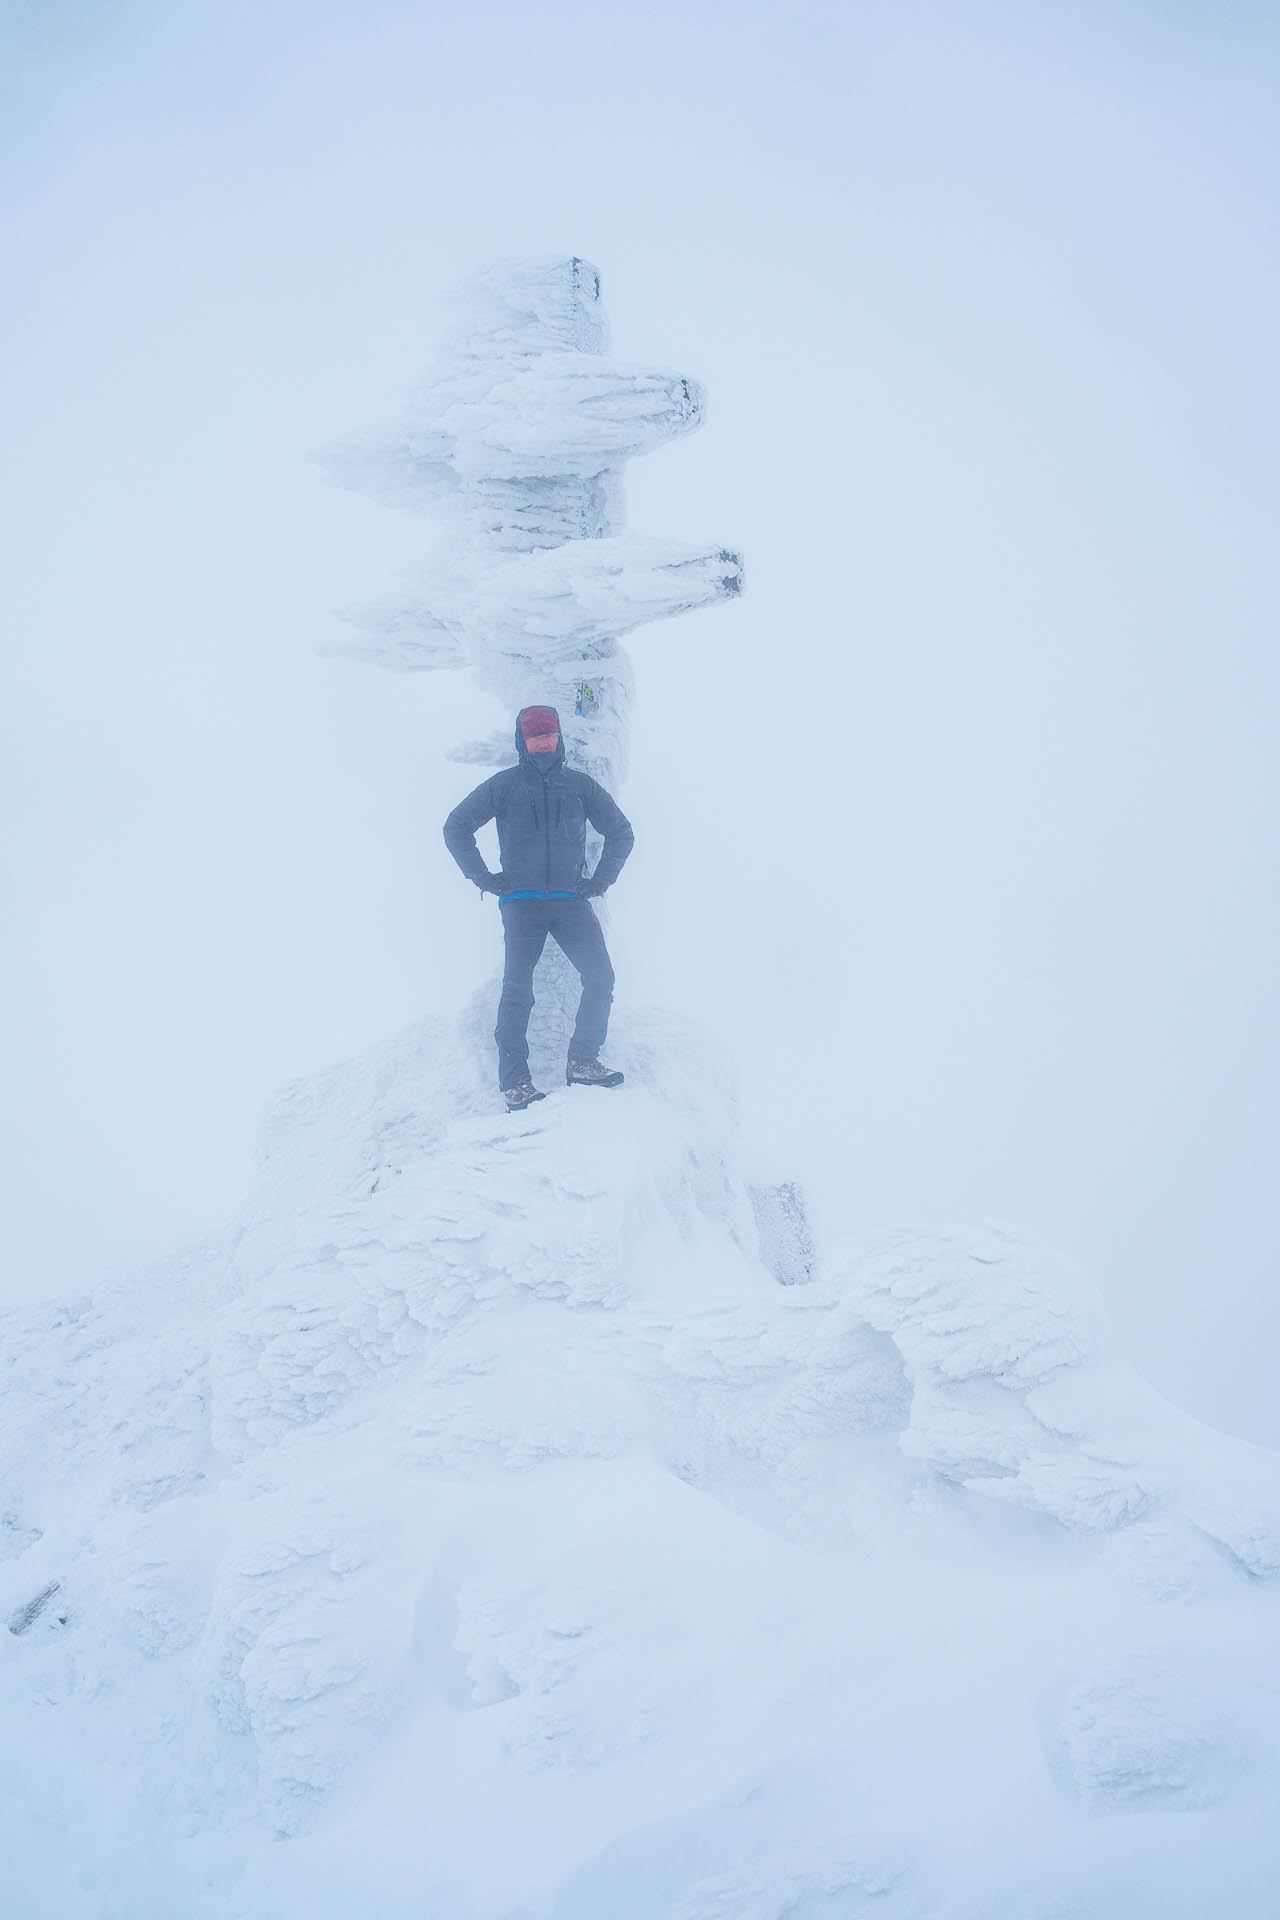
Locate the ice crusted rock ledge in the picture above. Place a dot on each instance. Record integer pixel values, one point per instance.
(482, 1530)
(1015, 1395)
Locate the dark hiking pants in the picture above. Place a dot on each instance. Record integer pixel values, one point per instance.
(573, 926)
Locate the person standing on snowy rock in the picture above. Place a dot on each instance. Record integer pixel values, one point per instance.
(543, 809)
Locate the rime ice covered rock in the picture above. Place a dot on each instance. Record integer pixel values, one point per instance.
(481, 1529)
(1014, 1394)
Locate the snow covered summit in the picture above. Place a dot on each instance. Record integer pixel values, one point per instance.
(483, 1530)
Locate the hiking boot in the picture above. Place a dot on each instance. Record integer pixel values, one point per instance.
(522, 1095)
(590, 1073)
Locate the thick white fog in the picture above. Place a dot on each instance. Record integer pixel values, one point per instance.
(959, 828)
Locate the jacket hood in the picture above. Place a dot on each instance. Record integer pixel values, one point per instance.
(541, 762)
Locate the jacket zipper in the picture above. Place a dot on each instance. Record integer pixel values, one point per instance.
(546, 885)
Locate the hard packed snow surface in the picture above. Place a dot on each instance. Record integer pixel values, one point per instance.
(483, 1530)
(522, 1518)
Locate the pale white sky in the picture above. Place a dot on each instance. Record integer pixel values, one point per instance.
(986, 300)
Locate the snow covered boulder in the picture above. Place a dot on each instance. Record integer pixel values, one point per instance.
(1015, 1396)
(482, 1531)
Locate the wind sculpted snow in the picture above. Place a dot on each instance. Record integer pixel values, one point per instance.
(482, 1530)
(520, 1518)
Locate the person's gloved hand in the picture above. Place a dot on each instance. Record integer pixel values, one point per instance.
(592, 887)
(494, 883)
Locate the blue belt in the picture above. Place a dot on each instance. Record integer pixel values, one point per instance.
(529, 894)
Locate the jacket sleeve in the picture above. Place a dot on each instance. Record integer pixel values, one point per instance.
(607, 817)
(461, 827)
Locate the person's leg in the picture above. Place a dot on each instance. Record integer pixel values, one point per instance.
(576, 930)
(524, 926)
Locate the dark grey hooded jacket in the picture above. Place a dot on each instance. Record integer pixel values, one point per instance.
(542, 826)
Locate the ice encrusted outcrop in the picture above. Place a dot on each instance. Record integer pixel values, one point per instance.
(483, 1530)
(1014, 1394)
(515, 1518)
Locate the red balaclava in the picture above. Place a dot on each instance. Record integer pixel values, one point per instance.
(540, 730)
